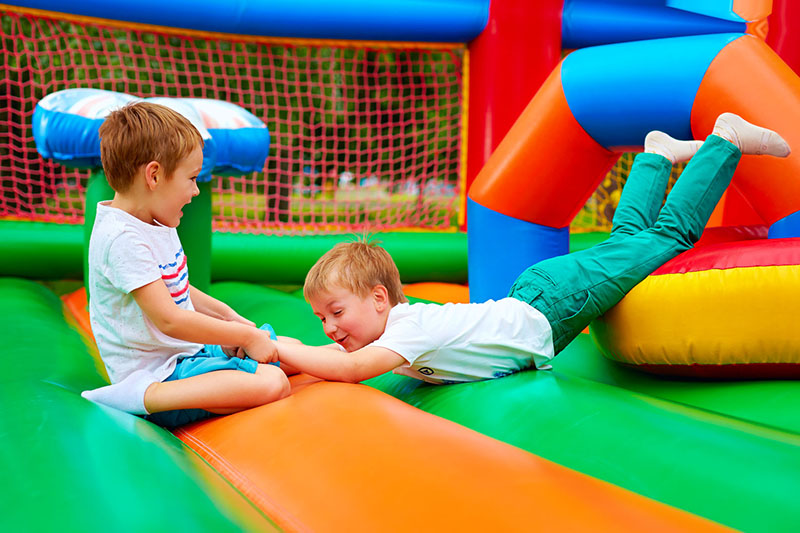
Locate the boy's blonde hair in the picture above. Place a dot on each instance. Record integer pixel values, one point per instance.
(139, 133)
(358, 267)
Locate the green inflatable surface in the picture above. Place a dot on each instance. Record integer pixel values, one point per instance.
(728, 451)
(71, 465)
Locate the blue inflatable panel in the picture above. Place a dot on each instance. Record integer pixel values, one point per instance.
(66, 124)
(77, 150)
(722, 9)
(620, 92)
(242, 139)
(239, 151)
(786, 227)
(594, 22)
(388, 20)
(501, 247)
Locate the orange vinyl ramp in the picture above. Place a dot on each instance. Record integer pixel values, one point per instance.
(749, 79)
(435, 291)
(343, 457)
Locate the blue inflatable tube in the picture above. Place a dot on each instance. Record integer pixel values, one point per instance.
(786, 227)
(388, 20)
(518, 242)
(594, 22)
(620, 92)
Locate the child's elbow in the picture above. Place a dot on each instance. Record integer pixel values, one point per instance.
(352, 377)
(167, 324)
(357, 371)
(345, 374)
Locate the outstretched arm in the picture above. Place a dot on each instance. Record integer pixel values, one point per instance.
(335, 365)
(157, 304)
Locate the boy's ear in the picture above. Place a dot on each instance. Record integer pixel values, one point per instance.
(153, 172)
(380, 296)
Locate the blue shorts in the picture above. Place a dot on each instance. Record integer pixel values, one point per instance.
(210, 359)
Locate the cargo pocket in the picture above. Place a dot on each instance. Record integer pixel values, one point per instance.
(571, 315)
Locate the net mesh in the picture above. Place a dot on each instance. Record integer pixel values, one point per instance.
(361, 135)
(598, 212)
(364, 136)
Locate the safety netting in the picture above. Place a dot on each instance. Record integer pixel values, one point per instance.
(598, 212)
(363, 135)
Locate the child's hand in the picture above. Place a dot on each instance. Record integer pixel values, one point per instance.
(232, 316)
(261, 348)
(233, 351)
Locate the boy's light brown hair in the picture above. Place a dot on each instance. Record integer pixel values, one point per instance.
(358, 267)
(139, 133)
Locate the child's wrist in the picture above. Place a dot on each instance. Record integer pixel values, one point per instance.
(253, 335)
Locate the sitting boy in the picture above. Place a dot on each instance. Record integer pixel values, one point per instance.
(355, 287)
(157, 335)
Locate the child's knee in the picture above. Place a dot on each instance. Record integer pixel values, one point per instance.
(274, 382)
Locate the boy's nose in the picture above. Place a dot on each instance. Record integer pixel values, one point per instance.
(196, 190)
(329, 328)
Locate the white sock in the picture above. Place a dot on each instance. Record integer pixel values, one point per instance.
(127, 395)
(749, 138)
(658, 142)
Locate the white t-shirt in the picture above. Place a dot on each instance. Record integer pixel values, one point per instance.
(125, 254)
(455, 343)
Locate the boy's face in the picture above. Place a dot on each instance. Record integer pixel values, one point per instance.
(173, 193)
(350, 320)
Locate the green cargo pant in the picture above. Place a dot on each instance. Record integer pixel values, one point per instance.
(574, 289)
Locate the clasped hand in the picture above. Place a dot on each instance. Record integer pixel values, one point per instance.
(259, 348)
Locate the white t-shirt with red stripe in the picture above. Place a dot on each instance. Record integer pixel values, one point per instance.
(125, 254)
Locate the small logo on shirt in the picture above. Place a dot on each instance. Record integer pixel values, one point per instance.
(425, 371)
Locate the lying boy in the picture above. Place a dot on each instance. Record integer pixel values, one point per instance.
(158, 336)
(355, 288)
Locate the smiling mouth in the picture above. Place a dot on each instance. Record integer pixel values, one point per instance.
(341, 341)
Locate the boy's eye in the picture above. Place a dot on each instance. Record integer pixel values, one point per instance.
(337, 312)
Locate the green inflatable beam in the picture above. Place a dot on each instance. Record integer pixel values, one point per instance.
(41, 250)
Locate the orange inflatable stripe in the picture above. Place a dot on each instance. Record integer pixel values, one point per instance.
(338, 457)
(77, 304)
(751, 10)
(758, 28)
(77, 314)
(749, 79)
(438, 292)
(546, 166)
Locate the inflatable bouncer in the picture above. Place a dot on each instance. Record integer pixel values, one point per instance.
(591, 445)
